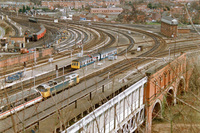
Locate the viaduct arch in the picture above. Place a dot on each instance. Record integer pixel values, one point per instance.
(167, 83)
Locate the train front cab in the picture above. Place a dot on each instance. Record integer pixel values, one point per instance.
(44, 90)
(75, 64)
(75, 78)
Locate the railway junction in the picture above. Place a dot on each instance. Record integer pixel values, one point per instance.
(121, 93)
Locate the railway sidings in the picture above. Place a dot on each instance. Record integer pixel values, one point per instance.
(98, 83)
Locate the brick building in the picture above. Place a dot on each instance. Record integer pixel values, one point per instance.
(169, 26)
(79, 4)
(91, 17)
(71, 4)
(20, 40)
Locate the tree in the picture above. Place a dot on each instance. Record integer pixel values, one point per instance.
(149, 5)
(27, 8)
(24, 9)
(20, 10)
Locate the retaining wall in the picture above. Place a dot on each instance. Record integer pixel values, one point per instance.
(25, 57)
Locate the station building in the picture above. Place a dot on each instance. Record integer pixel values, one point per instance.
(169, 26)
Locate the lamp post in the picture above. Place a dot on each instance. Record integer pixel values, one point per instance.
(108, 75)
(169, 54)
(35, 59)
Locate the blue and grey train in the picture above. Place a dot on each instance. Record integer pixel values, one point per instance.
(87, 60)
(14, 77)
(53, 86)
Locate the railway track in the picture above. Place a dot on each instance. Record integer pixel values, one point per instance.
(155, 49)
(29, 84)
(44, 117)
(17, 32)
(29, 64)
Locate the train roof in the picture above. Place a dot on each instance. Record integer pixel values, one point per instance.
(94, 55)
(32, 19)
(42, 29)
(108, 50)
(44, 85)
(72, 73)
(57, 80)
(17, 96)
(82, 59)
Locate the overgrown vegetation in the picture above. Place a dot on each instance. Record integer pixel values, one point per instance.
(24, 9)
(132, 14)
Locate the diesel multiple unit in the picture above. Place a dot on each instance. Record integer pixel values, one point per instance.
(87, 60)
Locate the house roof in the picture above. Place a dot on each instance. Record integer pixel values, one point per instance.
(76, 14)
(169, 20)
(101, 16)
(89, 15)
(115, 8)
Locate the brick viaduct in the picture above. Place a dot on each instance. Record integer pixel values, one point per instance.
(165, 83)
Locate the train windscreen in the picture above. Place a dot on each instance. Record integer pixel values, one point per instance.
(41, 89)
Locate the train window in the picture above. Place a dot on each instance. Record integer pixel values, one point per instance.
(50, 83)
(67, 78)
(55, 83)
(43, 90)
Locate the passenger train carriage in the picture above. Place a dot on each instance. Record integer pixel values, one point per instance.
(32, 19)
(58, 84)
(87, 60)
(18, 102)
(36, 36)
(40, 34)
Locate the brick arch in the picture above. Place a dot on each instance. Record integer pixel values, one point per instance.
(170, 96)
(180, 88)
(156, 109)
